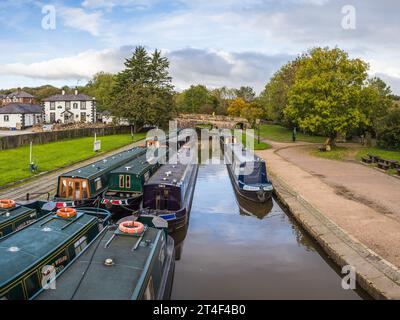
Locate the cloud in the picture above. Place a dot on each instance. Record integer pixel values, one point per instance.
(188, 66)
(81, 66)
(79, 19)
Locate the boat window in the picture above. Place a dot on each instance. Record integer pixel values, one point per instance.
(80, 244)
(162, 197)
(32, 284)
(128, 181)
(149, 293)
(15, 293)
(76, 189)
(121, 181)
(98, 184)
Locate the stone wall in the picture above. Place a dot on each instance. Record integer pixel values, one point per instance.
(16, 141)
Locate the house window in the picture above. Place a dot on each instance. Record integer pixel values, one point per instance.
(6, 118)
(75, 106)
(67, 105)
(83, 105)
(83, 116)
(52, 106)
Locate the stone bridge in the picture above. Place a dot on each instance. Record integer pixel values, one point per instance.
(216, 121)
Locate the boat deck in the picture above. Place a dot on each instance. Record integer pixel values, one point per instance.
(7, 215)
(101, 282)
(21, 250)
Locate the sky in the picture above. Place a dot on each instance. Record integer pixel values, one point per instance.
(214, 43)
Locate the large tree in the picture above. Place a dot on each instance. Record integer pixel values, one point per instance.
(325, 97)
(275, 95)
(196, 99)
(101, 87)
(245, 93)
(376, 101)
(143, 92)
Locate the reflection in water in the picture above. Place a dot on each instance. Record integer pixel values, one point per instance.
(248, 253)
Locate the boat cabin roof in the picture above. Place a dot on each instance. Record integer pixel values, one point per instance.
(135, 167)
(22, 250)
(7, 215)
(121, 281)
(98, 168)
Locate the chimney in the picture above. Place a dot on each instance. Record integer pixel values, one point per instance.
(76, 91)
(63, 92)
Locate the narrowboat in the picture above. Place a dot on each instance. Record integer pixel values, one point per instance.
(15, 216)
(84, 187)
(35, 254)
(169, 192)
(125, 187)
(247, 172)
(133, 260)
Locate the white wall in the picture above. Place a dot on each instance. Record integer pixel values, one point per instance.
(60, 108)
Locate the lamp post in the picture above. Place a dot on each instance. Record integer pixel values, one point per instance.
(258, 130)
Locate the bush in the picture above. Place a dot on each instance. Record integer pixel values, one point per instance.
(389, 131)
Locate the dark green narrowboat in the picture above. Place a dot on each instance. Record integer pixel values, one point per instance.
(83, 187)
(120, 266)
(34, 255)
(19, 216)
(125, 187)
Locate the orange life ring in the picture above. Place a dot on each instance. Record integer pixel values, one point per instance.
(7, 204)
(131, 227)
(66, 213)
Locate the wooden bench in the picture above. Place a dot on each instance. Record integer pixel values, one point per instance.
(384, 164)
(374, 158)
(367, 160)
(394, 164)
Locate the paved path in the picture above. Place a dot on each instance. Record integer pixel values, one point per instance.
(362, 201)
(48, 182)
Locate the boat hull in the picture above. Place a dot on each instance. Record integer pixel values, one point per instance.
(260, 196)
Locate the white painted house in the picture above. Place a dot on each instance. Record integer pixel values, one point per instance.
(20, 116)
(70, 108)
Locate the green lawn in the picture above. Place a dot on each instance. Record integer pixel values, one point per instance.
(14, 162)
(390, 155)
(282, 134)
(257, 146)
(337, 153)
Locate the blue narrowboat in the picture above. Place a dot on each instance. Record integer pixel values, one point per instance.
(34, 255)
(248, 172)
(121, 264)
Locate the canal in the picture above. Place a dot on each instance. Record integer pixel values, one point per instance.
(249, 253)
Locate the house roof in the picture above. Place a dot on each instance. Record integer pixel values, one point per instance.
(17, 108)
(2, 96)
(69, 97)
(20, 94)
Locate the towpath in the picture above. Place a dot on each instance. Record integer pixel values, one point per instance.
(364, 202)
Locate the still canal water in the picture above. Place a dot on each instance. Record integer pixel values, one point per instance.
(228, 254)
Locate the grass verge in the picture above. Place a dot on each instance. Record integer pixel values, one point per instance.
(282, 134)
(14, 163)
